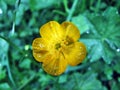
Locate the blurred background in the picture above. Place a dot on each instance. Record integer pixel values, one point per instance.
(99, 25)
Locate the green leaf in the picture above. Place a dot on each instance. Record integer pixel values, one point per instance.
(112, 14)
(82, 23)
(108, 54)
(117, 64)
(105, 32)
(108, 72)
(3, 51)
(5, 86)
(25, 63)
(2, 72)
(114, 86)
(94, 48)
(3, 6)
(62, 79)
(10, 2)
(20, 12)
(95, 53)
(85, 81)
(90, 82)
(40, 4)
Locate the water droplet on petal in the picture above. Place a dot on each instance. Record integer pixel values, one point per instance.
(118, 50)
(1, 11)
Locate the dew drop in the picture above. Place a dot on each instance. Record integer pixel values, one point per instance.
(118, 50)
(88, 32)
(1, 11)
(119, 79)
(0, 64)
(89, 68)
(26, 47)
(26, 55)
(116, 12)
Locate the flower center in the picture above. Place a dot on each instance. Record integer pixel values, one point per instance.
(57, 46)
(69, 40)
(65, 42)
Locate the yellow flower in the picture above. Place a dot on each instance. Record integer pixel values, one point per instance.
(58, 47)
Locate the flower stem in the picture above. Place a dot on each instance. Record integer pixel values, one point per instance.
(98, 6)
(76, 81)
(71, 11)
(65, 2)
(57, 83)
(80, 67)
(59, 12)
(10, 74)
(14, 17)
(13, 45)
(27, 82)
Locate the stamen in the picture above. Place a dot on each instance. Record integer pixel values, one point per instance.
(57, 46)
(63, 54)
(69, 40)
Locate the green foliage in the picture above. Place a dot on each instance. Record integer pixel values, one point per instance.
(99, 25)
(103, 37)
(82, 23)
(3, 58)
(5, 86)
(2, 74)
(88, 82)
(41, 4)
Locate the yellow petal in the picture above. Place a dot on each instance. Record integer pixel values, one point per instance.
(52, 30)
(75, 53)
(55, 64)
(71, 30)
(39, 46)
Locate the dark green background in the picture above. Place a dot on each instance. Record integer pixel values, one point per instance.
(99, 24)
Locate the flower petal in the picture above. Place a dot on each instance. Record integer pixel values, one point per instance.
(71, 30)
(52, 30)
(39, 46)
(55, 64)
(75, 53)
